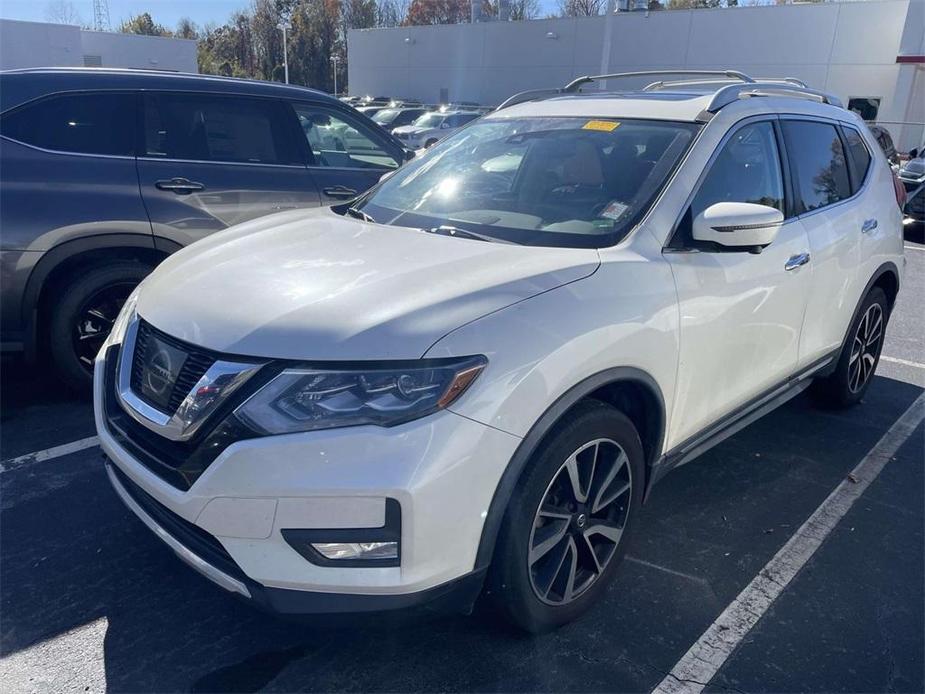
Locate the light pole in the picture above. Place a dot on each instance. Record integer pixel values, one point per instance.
(285, 26)
(334, 60)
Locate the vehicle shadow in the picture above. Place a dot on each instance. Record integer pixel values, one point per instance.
(71, 554)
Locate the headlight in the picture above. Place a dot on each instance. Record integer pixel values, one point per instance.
(305, 399)
(120, 325)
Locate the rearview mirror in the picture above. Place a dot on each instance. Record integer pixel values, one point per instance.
(738, 225)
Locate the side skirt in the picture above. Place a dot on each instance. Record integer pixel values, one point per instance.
(738, 419)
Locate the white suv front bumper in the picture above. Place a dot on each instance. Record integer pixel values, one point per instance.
(442, 470)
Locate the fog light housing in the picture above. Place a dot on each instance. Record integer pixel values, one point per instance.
(351, 547)
(338, 551)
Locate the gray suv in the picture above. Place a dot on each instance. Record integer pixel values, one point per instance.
(103, 173)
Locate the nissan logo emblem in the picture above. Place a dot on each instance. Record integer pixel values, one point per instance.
(158, 372)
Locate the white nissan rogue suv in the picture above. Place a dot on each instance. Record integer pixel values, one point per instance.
(472, 376)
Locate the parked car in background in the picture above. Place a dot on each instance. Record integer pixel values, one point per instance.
(104, 173)
(433, 127)
(391, 118)
(912, 176)
(885, 140)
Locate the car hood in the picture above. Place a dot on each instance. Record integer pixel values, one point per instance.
(410, 129)
(313, 285)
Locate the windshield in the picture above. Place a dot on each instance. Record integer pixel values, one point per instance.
(386, 115)
(429, 120)
(537, 181)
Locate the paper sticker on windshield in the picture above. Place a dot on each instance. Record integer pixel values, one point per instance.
(614, 210)
(605, 126)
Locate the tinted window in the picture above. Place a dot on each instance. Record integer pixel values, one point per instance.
(216, 128)
(860, 156)
(340, 142)
(747, 169)
(85, 123)
(819, 163)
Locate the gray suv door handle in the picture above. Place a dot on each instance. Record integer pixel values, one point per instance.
(868, 225)
(795, 261)
(180, 186)
(340, 192)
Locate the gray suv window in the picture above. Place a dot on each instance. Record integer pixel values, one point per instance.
(85, 123)
(217, 128)
(818, 160)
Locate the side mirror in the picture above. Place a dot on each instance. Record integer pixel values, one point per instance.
(739, 225)
(408, 154)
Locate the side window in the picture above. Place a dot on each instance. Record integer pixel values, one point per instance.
(337, 142)
(95, 123)
(204, 127)
(821, 172)
(860, 156)
(747, 169)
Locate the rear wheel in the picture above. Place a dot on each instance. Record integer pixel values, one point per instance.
(82, 319)
(566, 528)
(858, 362)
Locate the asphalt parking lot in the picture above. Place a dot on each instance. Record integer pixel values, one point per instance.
(90, 600)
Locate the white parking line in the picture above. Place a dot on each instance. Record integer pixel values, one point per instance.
(704, 659)
(904, 362)
(49, 453)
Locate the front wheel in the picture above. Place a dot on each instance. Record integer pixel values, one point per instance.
(566, 528)
(858, 362)
(81, 320)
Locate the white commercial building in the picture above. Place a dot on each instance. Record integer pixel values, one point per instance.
(869, 53)
(39, 44)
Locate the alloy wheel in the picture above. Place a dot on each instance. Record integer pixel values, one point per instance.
(865, 348)
(95, 319)
(580, 521)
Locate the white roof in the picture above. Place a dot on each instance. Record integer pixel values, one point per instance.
(654, 105)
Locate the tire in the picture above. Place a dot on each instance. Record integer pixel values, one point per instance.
(857, 364)
(519, 587)
(76, 335)
(429, 144)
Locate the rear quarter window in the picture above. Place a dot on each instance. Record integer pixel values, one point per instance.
(83, 123)
(859, 156)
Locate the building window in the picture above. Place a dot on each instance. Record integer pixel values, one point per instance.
(866, 107)
(93, 61)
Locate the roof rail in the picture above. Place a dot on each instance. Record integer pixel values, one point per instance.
(668, 84)
(577, 83)
(529, 95)
(732, 92)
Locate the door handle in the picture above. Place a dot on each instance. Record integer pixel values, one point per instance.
(868, 226)
(339, 192)
(180, 186)
(795, 261)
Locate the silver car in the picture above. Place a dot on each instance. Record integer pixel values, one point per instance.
(433, 127)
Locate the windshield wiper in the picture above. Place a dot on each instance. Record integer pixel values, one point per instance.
(360, 214)
(447, 230)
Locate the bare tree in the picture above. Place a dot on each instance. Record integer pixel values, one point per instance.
(62, 12)
(581, 8)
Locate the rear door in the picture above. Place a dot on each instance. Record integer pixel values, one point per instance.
(208, 161)
(347, 154)
(833, 219)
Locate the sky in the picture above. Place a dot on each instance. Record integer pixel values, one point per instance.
(166, 12)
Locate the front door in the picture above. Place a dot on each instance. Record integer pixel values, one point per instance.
(209, 161)
(348, 155)
(740, 312)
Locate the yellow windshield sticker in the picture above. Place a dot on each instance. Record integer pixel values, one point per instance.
(602, 125)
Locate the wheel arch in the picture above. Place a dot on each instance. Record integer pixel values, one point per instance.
(886, 277)
(60, 263)
(633, 391)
